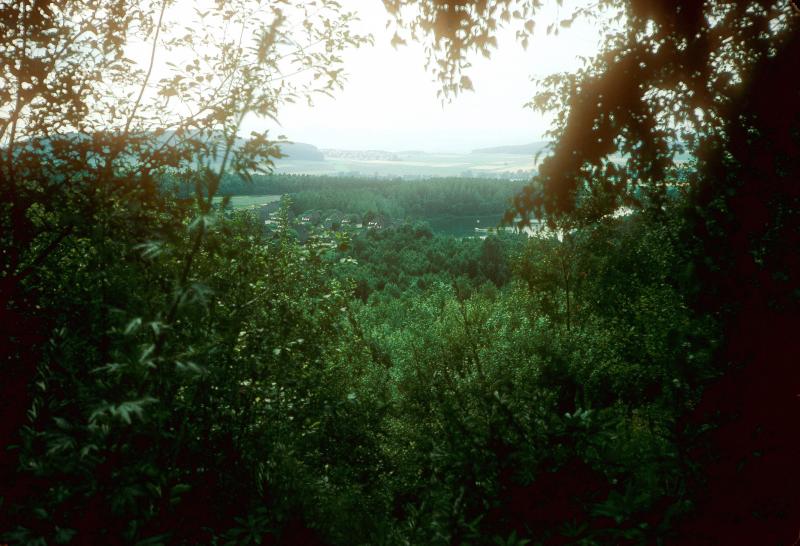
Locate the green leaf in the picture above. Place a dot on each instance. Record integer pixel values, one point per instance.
(63, 535)
(133, 325)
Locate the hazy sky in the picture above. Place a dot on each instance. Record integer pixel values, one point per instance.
(389, 100)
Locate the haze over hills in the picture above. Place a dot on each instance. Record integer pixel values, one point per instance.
(508, 162)
(369, 155)
(512, 161)
(522, 149)
(302, 150)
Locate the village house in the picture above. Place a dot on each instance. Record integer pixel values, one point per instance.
(311, 217)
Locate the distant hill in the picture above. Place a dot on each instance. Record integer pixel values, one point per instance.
(518, 149)
(291, 150)
(301, 151)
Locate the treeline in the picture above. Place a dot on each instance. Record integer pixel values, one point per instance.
(396, 198)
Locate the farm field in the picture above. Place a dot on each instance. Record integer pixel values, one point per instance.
(249, 201)
(417, 164)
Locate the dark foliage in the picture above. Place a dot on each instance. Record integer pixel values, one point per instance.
(173, 373)
(720, 80)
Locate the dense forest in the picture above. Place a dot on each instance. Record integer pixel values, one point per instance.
(174, 371)
(397, 198)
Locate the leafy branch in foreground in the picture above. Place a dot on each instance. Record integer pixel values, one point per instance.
(112, 290)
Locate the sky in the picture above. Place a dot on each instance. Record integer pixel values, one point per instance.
(389, 101)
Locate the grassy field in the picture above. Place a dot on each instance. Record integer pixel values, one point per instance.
(250, 201)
